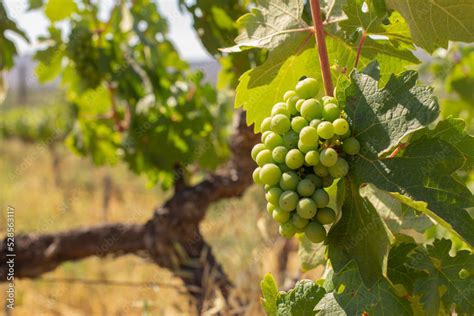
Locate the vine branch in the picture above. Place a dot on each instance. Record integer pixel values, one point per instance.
(321, 44)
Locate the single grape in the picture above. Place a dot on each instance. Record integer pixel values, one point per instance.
(309, 136)
(273, 195)
(267, 187)
(321, 198)
(306, 187)
(305, 148)
(288, 201)
(280, 108)
(312, 158)
(307, 88)
(327, 99)
(351, 146)
(311, 109)
(341, 126)
(298, 221)
(280, 216)
(287, 230)
(288, 94)
(290, 140)
(291, 105)
(340, 169)
(321, 170)
(256, 176)
(327, 181)
(264, 136)
(318, 183)
(315, 232)
(264, 157)
(273, 140)
(298, 104)
(326, 215)
(325, 130)
(270, 174)
(294, 159)
(279, 154)
(280, 124)
(289, 181)
(306, 208)
(265, 126)
(315, 123)
(328, 157)
(270, 208)
(256, 149)
(331, 112)
(298, 123)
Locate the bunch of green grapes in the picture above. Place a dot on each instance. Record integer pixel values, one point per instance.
(304, 143)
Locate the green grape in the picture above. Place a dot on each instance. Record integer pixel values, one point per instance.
(340, 169)
(280, 216)
(266, 123)
(298, 221)
(309, 136)
(312, 158)
(290, 140)
(287, 230)
(306, 187)
(318, 183)
(289, 181)
(315, 232)
(306, 208)
(270, 208)
(256, 149)
(267, 187)
(294, 159)
(270, 174)
(327, 99)
(331, 112)
(351, 146)
(298, 104)
(307, 88)
(279, 154)
(315, 123)
(291, 105)
(273, 140)
(288, 200)
(321, 170)
(341, 126)
(321, 198)
(284, 167)
(288, 94)
(325, 130)
(311, 109)
(305, 148)
(280, 124)
(280, 108)
(256, 176)
(264, 136)
(325, 215)
(264, 157)
(327, 181)
(298, 123)
(328, 157)
(273, 195)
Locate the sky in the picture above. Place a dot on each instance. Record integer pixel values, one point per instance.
(181, 31)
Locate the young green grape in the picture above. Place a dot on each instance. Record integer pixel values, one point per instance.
(331, 112)
(256, 176)
(280, 124)
(328, 99)
(315, 123)
(290, 140)
(298, 221)
(298, 104)
(327, 181)
(321, 198)
(264, 136)
(273, 195)
(288, 201)
(341, 126)
(325, 215)
(328, 157)
(280, 216)
(273, 140)
(306, 208)
(306, 187)
(291, 105)
(315, 232)
(270, 174)
(311, 109)
(280, 108)
(289, 181)
(309, 136)
(351, 146)
(279, 154)
(340, 169)
(311, 158)
(256, 149)
(305, 148)
(307, 88)
(288, 94)
(287, 229)
(265, 126)
(318, 183)
(294, 159)
(270, 208)
(264, 157)
(298, 123)
(325, 130)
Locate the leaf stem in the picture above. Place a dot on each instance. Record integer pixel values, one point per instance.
(321, 44)
(359, 48)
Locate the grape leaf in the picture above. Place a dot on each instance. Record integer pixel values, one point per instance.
(434, 23)
(328, 306)
(311, 255)
(270, 294)
(359, 236)
(361, 16)
(300, 300)
(269, 24)
(398, 272)
(57, 10)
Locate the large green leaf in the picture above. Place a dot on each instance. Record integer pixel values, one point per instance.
(301, 300)
(434, 23)
(269, 24)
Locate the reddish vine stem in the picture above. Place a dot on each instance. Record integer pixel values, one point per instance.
(321, 44)
(359, 48)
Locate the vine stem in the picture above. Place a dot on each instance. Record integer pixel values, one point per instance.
(321, 45)
(359, 48)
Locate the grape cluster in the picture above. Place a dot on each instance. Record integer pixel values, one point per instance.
(304, 143)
